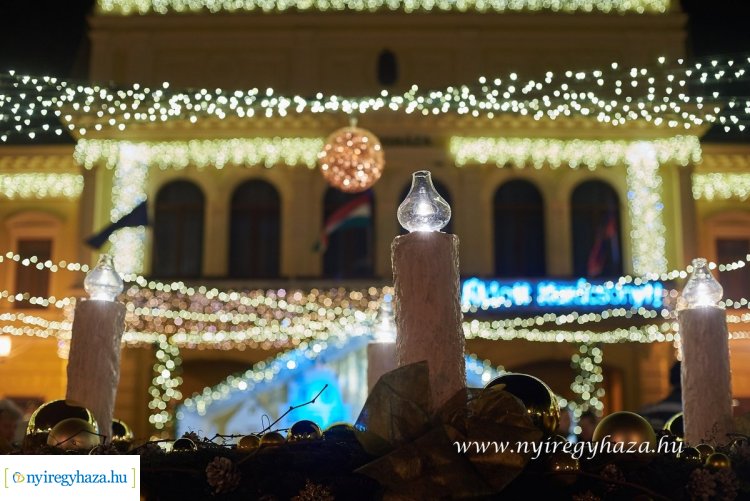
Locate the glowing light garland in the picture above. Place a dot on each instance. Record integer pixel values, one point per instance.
(216, 153)
(38, 185)
(589, 376)
(165, 384)
(657, 95)
(573, 153)
(721, 186)
(648, 233)
(132, 7)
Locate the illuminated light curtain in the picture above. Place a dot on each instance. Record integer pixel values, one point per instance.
(255, 231)
(595, 212)
(519, 230)
(178, 231)
(350, 252)
(443, 191)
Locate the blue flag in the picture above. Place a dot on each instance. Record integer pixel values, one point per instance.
(136, 217)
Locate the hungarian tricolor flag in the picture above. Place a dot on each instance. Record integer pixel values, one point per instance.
(355, 213)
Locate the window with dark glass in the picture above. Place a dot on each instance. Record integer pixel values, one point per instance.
(736, 283)
(519, 230)
(255, 231)
(443, 191)
(595, 213)
(387, 68)
(30, 279)
(178, 231)
(348, 239)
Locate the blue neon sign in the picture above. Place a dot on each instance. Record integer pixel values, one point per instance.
(554, 294)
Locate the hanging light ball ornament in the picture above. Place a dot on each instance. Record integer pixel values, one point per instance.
(352, 159)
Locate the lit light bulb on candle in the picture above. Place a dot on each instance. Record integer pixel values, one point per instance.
(423, 209)
(103, 282)
(701, 289)
(385, 326)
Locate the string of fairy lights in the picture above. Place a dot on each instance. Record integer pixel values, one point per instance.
(192, 317)
(142, 7)
(678, 94)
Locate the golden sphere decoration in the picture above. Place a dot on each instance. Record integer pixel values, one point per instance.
(122, 435)
(49, 414)
(541, 404)
(676, 426)
(352, 159)
(272, 438)
(248, 443)
(184, 444)
(560, 462)
(74, 434)
(691, 454)
(705, 450)
(304, 430)
(718, 460)
(625, 427)
(339, 431)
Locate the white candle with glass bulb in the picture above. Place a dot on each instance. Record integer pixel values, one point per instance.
(94, 360)
(426, 281)
(706, 376)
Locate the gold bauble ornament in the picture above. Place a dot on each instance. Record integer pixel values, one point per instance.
(676, 426)
(541, 404)
(304, 430)
(48, 415)
(339, 432)
(74, 434)
(248, 443)
(560, 462)
(352, 159)
(272, 438)
(718, 460)
(625, 427)
(705, 450)
(691, 454)
(122, 435)
(184, 444)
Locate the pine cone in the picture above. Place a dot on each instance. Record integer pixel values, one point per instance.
(612, 473)
(192, 436)
(149, 449)
(727, 483)
(222, 475)
(702, 485)
(314, 492)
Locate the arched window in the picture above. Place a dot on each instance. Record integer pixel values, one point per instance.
(178, 231)
(519, 230)
(348, 234)
(443, 191)
(595, 212)
(387, 68)
(255, 231)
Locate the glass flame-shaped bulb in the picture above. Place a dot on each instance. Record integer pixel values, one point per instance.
(385, 324)
(701, 289)
(423, 209)
(103, 282)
